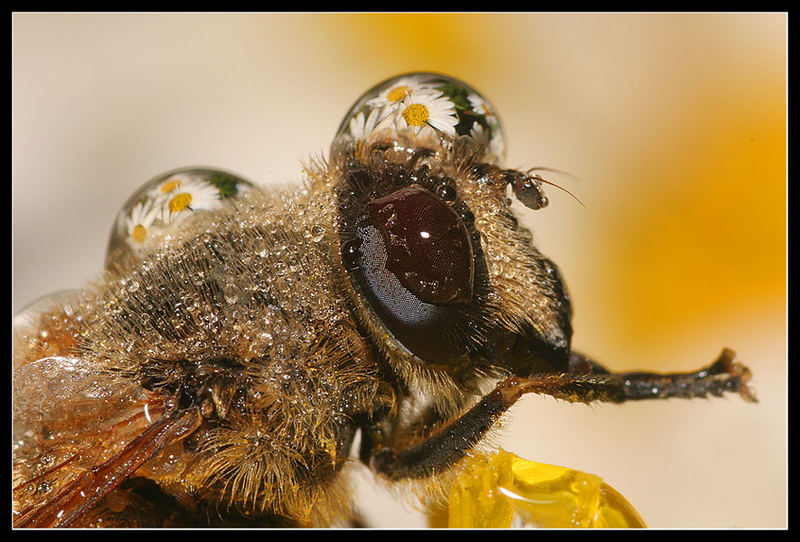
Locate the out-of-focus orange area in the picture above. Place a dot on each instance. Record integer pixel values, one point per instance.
(449, 43)
(715, 241)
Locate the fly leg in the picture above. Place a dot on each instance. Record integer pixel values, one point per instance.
(456, 439)
(724, 375)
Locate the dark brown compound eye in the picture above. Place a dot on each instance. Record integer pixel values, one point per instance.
(413, 260)
(427, 246)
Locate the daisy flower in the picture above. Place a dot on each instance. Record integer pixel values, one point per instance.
(361, 126)
(480, 134)
(190, 195)
(481, 106)
(140, 221)
(171, 184)
(423, 110)
(398, 91)
(497, 145)
(490, 139)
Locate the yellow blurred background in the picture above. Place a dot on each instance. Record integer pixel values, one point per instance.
(674, 125)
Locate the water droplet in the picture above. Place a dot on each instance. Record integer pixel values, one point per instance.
(317, 233)
(446, 192)
(143, 219)
(351, 255)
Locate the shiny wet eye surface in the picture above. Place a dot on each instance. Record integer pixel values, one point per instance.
(427, 246)
(414, 259)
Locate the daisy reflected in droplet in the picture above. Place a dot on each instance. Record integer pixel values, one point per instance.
(363, 126)
(169, 185)
(425, 110)
(481, 107)
(399, 90)
(488, 138)
(190, 196)
(140, 221)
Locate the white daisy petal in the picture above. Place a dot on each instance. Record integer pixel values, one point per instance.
(140, 220)
(427, 110)
(362, 127)
(358, 126)
(480, 134)
(497, 145)
(480, 106)
(399, 90)
(168, 185)
(192, 195)
(492, 140)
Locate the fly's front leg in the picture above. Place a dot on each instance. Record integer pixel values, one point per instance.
(443, 449)
(724, 375)
(456, 439)
(449, 445)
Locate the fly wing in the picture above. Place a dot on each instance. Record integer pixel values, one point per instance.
(78, 433)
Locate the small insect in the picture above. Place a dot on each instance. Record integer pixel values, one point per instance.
(240, 339)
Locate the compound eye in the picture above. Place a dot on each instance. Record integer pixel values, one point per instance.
(413, 260)
(427, 246)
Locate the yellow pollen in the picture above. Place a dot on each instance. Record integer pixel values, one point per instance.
(398, 93)
(180, 202)
(139, 233)
(170, 186)
(416, 115)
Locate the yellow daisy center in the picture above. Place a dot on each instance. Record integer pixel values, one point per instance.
(416, 115)
(139, 233)
(398, 93)
(180, 202)
(170, 186)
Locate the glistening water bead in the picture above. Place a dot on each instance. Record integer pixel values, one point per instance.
(351, 254)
